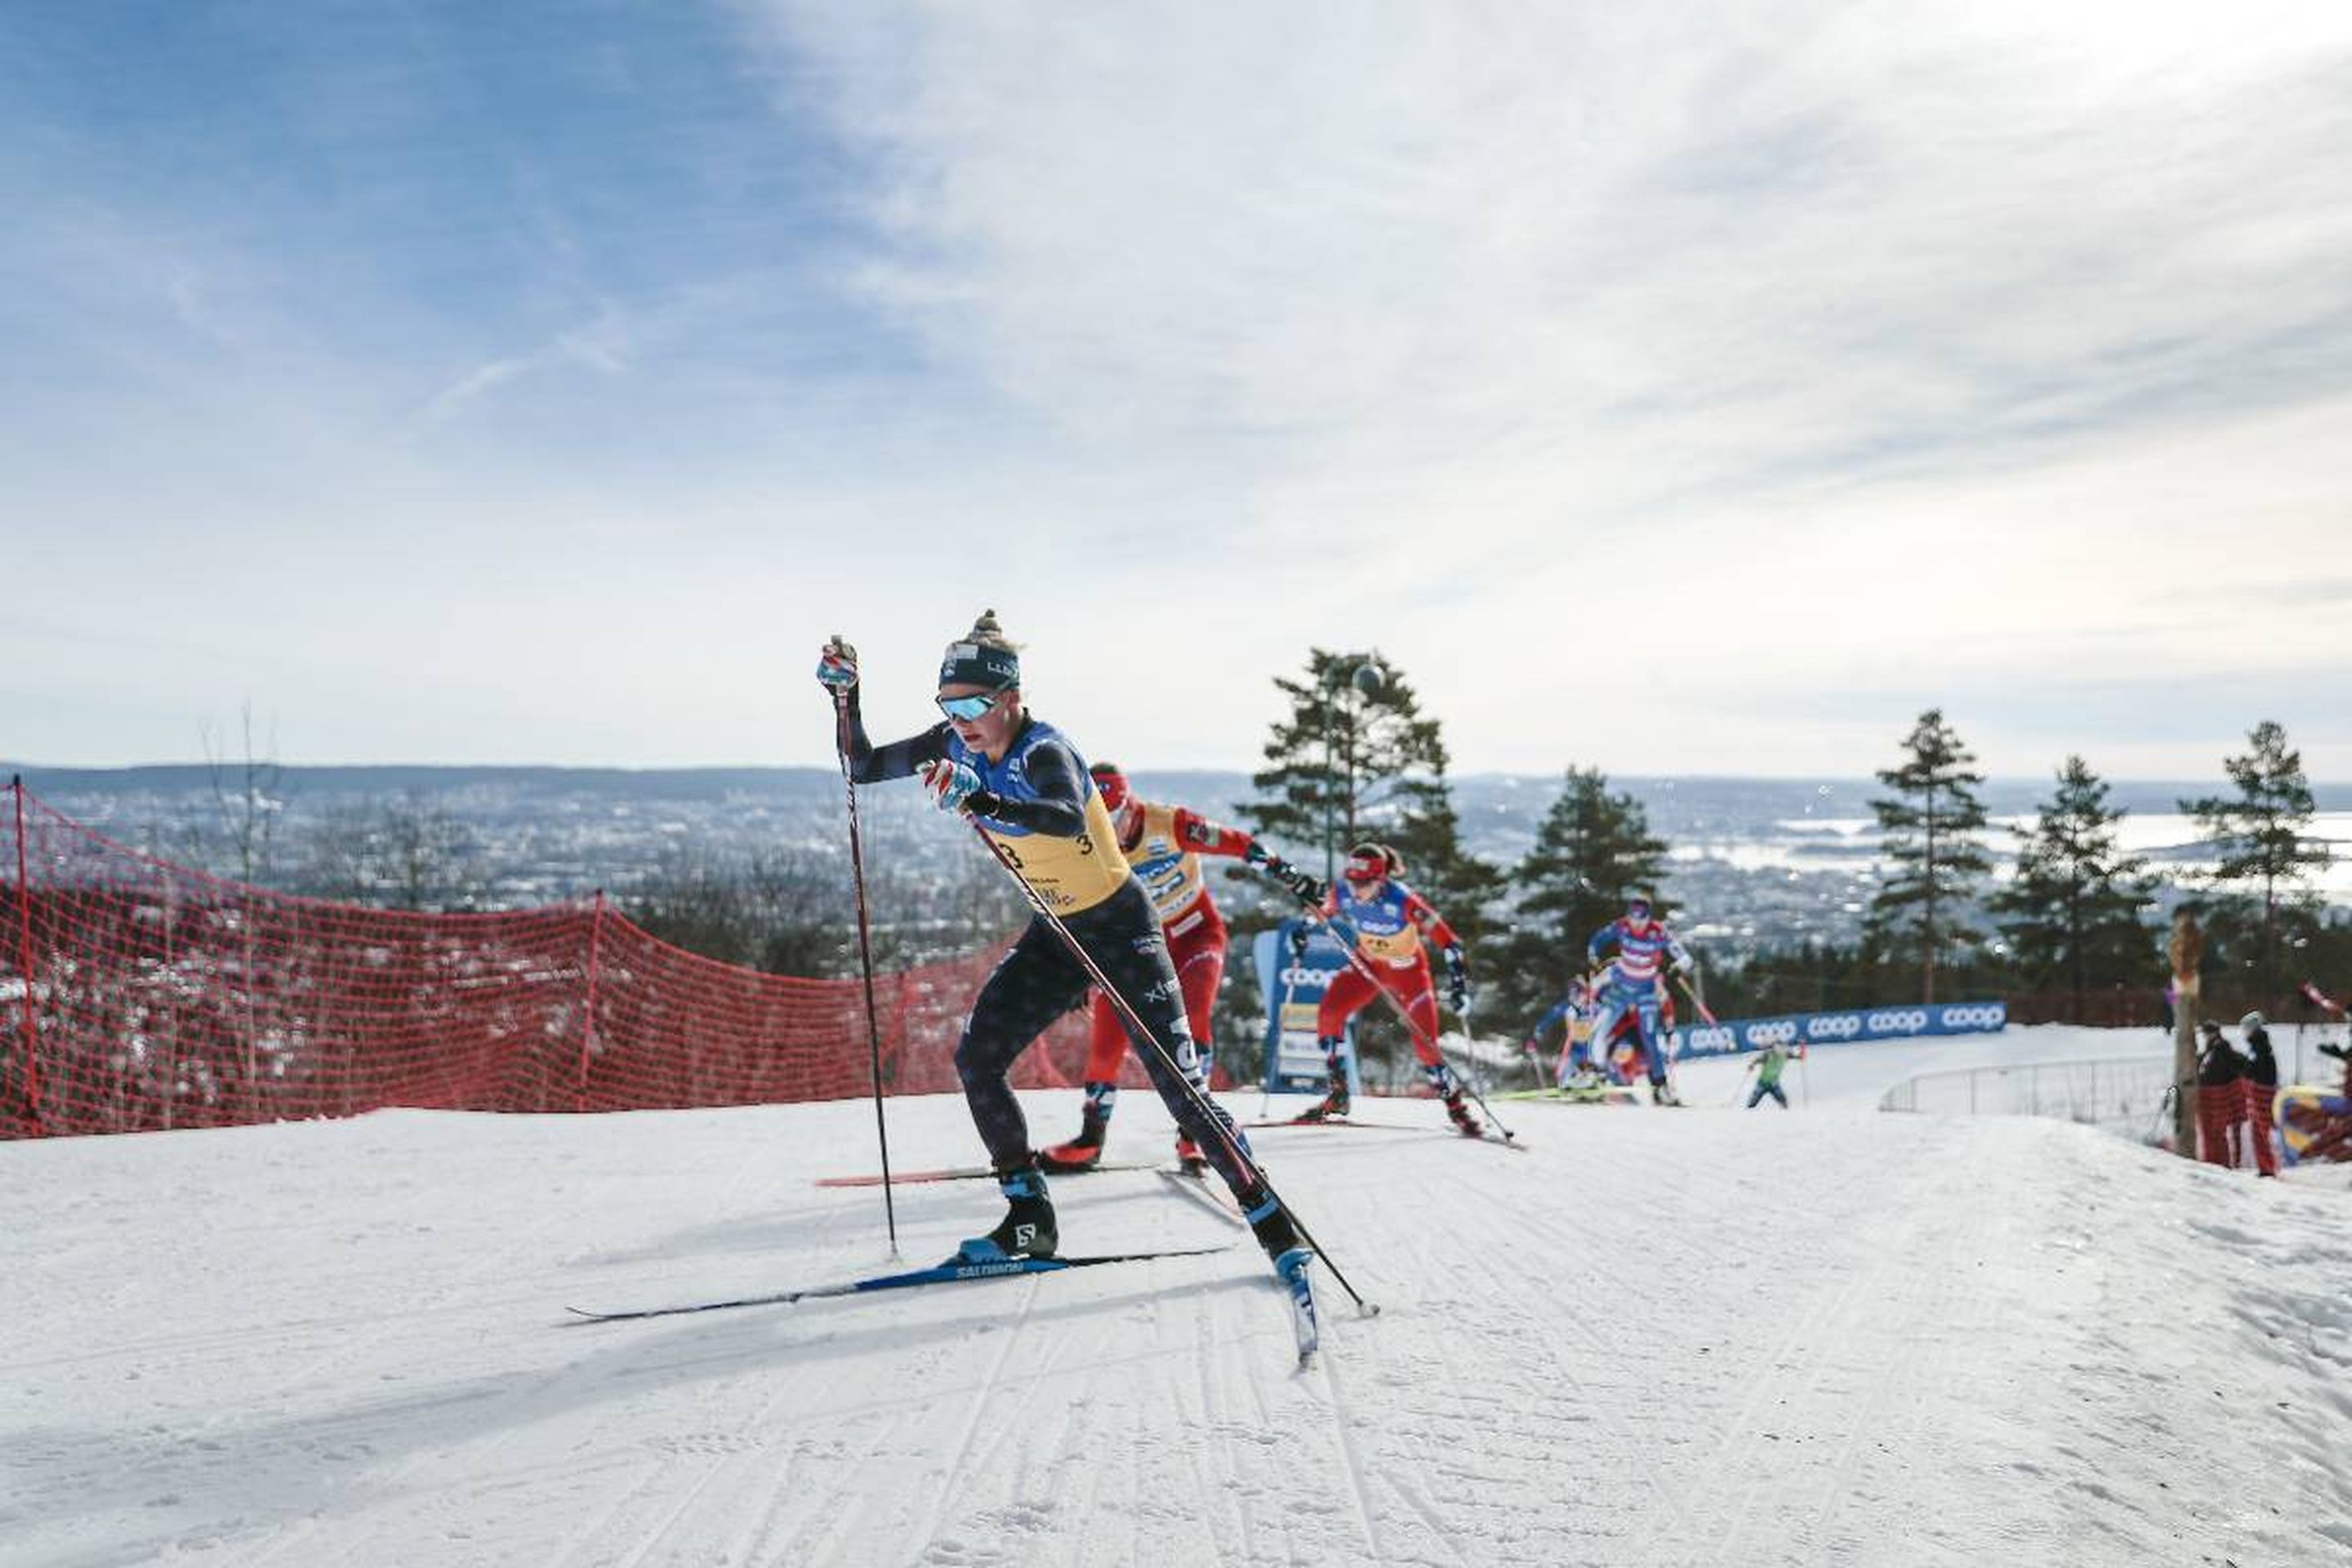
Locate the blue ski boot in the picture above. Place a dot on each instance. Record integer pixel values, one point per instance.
(1027, 1229)
(1272, 1226)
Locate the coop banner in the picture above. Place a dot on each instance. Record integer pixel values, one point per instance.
(1732, 1035)
(1293, 987)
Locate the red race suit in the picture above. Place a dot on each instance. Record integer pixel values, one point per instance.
(1390, 926)
(1164, 845)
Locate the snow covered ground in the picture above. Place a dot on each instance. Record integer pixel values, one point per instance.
(1853, 1077)
(1704, 1337)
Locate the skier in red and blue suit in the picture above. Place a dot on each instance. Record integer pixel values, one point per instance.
(1388, 920)
(1632, 983)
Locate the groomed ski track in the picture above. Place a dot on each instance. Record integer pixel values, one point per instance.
(1708, 1337)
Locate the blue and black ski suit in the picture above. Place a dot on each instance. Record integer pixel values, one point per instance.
(1041, 815)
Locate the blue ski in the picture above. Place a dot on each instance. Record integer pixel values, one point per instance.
(950, 1273)
(1305, 1326)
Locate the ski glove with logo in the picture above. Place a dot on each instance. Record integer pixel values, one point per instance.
(1457, 980)
(836, 666)
(954, 788)
(1298, 941)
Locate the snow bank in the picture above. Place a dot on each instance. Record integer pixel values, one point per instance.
(1695, 1337)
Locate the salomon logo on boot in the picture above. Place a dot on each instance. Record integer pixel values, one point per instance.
(1027, 1229)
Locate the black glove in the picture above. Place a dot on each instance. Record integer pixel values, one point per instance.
(1457, 980)
(1298, 941)
(1305, 889)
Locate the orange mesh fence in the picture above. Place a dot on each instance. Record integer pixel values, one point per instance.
(135, 994)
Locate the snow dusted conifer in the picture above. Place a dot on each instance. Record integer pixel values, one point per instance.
(2261, 833)
(1927, 832)
(1592, 849)
(2074, 909)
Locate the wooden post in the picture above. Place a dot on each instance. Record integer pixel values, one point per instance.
(588, 1012)
(2186, 950)
(29, 1027)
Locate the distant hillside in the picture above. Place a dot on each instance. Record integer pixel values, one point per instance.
(1773, 858)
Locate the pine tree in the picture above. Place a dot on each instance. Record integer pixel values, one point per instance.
(1926, 830)
(1592, 849)
(2076, 899)
(2260, 833)
(1356, 755)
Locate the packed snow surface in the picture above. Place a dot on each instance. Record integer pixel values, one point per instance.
(1658, 1337)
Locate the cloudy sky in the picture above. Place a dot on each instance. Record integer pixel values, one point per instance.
(1698, 388)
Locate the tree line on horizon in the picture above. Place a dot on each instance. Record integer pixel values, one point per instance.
(1354, 757)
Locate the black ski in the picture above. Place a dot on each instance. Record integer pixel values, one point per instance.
(949, 1273)
(1489, 1136)
(971, 1173)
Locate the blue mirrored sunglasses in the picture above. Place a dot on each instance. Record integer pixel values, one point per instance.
(971, 710)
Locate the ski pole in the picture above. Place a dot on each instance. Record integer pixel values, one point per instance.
(1281, 1028)
(1535, 1063)
(1347, 949)
(1704, 1015)
(866, 955)
(1211, 1114)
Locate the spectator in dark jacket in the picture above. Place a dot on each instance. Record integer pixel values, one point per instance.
(2260, 1087)
(2342, 1053)
(2220, 1095)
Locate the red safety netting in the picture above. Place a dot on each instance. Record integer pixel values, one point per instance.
(136, 994)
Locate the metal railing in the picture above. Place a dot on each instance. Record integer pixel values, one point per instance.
(2122, 1094)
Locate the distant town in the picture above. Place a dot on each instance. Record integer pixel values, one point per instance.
(1770, 860)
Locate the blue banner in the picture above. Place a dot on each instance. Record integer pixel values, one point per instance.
(1899, 1023)
(1293, 989)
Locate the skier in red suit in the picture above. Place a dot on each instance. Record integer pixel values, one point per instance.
(1164, 844)
(1389, 923)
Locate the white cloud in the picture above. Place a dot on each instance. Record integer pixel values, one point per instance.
(1868, 345)
(1664, 388)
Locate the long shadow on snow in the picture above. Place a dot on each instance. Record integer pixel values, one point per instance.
(254, 1477)
(970, 1205)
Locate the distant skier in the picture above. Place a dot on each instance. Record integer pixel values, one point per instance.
(1022, 782)
(1633, 983)
(1573, 1013)
(1389, 921)
(1624, 1060)
(1580, 1063)
(2220, 1095)
(1768, 1066)
(2261, 1089)
(1164, 844)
